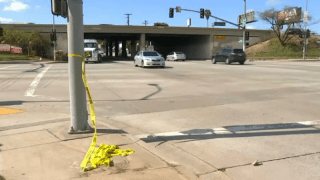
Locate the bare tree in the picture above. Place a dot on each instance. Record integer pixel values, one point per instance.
(271, 16)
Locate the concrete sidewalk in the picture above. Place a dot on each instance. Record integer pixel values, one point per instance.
(47, 151)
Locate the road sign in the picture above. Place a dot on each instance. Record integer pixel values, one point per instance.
(189, 22)
(178, 9)
(219, 23)
(244, 20)
(305, 17)
(250, 17)
(240, 41)
(207, 13)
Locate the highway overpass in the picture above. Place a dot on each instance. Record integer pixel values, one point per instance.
(195, 42)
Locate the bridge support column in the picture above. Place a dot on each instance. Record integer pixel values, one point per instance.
(116, 49)
(110, 48)
(124, 48)
(211, 41)
(106, 46)
(133, 48)
(142, 43)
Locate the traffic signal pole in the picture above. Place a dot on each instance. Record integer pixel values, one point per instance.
(305, 36)
(244, 26)
(54, 44)
(78, 105)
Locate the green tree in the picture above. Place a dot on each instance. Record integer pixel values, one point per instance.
(23, 39)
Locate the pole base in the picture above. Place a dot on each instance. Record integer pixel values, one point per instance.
(87, 130)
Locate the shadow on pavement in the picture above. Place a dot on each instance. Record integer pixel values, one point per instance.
(235, 132)
(36, 70)
(111, 131)
(158, 90)
(11, 103)
(155, 67)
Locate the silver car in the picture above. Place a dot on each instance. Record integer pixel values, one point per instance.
(175, 56)
(149, 58)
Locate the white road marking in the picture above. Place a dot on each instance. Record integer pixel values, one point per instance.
(231, 129)
(35, 82)
(8, 67)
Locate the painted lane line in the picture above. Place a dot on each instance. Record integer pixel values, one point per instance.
(8, 67)
(35, 82)
(233, 129)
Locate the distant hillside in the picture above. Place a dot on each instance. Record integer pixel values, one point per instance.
(272, 49)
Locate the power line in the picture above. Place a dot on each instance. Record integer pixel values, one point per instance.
(128, 18)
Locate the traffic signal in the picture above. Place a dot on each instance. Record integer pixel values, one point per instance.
(201, 13)
(171, 13)
(53, 35)
(59, 8)
(247, 35)
(1, 31)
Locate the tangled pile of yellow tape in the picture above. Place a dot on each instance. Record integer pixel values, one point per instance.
(97, 156)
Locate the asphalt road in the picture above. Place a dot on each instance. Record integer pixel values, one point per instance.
(215, 118)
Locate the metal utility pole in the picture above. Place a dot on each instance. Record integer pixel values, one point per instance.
(305, 35)
(78, 102)
(54, 44)
(145, 22)
(244, 26)
(128, 18)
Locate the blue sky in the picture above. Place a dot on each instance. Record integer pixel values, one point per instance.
(112, 12)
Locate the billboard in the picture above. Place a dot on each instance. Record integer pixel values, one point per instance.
(290, 15)
(5, 47)
(250, 17)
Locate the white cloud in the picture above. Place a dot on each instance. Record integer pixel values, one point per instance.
(250, 27)
(37, 7)
(16, 6)
(4, 1)
(5, 19)
(273, 2)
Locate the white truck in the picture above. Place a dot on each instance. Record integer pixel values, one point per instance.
(92, 51)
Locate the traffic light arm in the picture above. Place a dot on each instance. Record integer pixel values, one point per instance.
(214, 17)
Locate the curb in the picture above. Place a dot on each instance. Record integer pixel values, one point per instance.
(23, 62)
(177, 157)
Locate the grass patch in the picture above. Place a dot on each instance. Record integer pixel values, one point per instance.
(9, 56)
(274, 50)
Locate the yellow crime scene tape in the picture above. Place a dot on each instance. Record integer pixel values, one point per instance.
(97, 156)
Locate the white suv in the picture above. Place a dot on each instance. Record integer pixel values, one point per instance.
(149, 58)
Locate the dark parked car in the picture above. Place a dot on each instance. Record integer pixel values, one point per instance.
(296, 31)
(229, 56)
